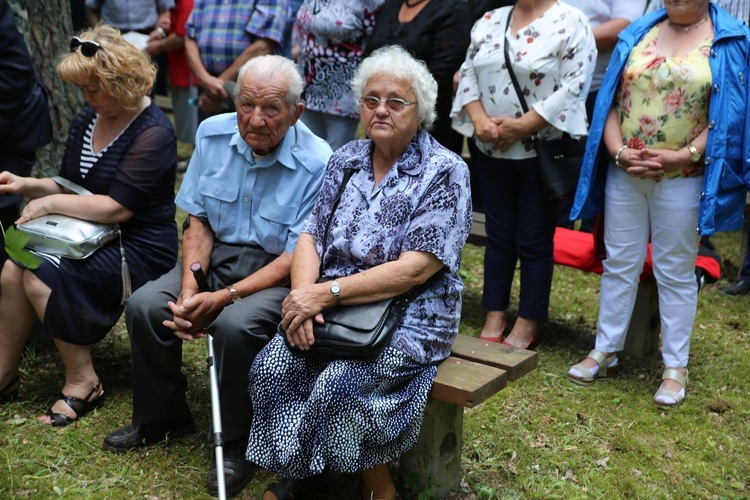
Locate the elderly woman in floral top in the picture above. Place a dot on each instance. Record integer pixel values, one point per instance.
(553, 54)
(667, 154)
(404, 215)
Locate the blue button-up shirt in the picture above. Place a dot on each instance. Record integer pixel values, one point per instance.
(223, 29)
(253, 202)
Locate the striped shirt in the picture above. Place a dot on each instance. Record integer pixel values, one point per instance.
(223, 29)
(737, 8)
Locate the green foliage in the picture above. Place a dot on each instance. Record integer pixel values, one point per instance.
(15, 247)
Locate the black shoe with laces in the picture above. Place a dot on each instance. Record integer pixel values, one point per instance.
(237, 470)
(132, 437)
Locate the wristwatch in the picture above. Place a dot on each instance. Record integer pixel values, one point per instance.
(336, 291)
(233, 293)
(695, 155)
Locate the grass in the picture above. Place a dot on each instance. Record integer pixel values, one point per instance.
(541, 437)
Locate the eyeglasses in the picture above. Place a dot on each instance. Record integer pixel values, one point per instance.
(392, 103)
(89, 48)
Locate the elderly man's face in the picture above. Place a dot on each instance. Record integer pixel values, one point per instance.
(263, 114)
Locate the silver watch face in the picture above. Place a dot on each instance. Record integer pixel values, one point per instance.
(335, 288)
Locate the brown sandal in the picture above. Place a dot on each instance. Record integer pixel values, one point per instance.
(79, 406)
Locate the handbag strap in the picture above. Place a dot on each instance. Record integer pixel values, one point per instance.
(71, 185)
(509, 66)
(347, 175)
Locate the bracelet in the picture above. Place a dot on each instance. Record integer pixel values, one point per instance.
(617, 155)
(233, 293)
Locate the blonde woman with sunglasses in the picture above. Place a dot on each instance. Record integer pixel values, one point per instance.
(122, 148)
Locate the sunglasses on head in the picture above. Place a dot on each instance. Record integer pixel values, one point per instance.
(89, 48)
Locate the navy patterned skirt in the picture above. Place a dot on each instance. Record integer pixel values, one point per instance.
(311, 414)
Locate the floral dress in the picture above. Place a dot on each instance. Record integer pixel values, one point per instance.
(663, 101)
(311, 414)
(553, 59)
(331, 40)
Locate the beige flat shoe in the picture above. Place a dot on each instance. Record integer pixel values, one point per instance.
(664, 398)
(607, 368)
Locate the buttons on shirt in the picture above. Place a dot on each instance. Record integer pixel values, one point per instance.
(711, 124)
(708, 160)
(716, 87)
(246, 199)
(244, 231)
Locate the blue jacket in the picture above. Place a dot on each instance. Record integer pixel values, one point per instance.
(728, 149)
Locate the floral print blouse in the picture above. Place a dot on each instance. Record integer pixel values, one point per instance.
(553, 59)
(422, 204)
(331, 35)
(663, 101)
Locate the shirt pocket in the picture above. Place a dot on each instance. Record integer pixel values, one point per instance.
(220, 199)
(276, 220)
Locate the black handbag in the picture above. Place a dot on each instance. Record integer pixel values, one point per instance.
(559, 160)
(358, 331)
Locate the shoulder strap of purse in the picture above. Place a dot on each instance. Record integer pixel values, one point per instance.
(347, 175)
(509, 66)
(70, 185)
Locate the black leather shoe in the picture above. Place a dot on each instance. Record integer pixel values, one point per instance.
(132, 437)
(237, 470)
(738, 288)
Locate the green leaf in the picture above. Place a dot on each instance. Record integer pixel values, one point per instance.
(15, 246)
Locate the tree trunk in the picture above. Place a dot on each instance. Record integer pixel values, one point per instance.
(47, 27)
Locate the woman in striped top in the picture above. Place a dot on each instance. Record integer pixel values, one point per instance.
(122, 148)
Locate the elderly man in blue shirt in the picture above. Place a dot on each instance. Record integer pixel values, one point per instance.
(251, 183)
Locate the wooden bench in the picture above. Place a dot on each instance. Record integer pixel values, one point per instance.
(474, 372)
(643, 333)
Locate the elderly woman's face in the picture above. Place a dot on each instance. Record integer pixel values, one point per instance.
(686, 11)
(384, 125)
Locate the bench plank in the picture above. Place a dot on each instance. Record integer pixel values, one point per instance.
(466, 383)
(517, 362)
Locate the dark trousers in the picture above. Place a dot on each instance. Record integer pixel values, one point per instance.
(240, 332)
(520, 224)
(745, 271)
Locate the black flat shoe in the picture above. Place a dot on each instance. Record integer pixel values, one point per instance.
(237, 470)
(738, 288)
(132, 437)
(8, 396)
(79, 406)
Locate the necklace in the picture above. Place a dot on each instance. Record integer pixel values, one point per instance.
(687, 28)
(413, 4)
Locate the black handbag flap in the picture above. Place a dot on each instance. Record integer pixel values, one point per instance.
(358, 317)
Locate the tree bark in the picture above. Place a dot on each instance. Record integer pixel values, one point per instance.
(47, 27)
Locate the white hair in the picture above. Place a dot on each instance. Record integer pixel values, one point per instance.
(395, 61)
(270, 68)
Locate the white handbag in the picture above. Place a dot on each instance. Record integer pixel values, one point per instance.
(66, 236)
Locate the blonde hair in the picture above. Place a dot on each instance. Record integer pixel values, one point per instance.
(117, 68)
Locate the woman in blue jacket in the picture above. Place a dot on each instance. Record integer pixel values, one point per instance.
(666, 154)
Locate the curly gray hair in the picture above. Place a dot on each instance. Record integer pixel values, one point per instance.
(396, 61)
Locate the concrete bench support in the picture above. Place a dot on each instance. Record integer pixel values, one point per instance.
(643, 333)
(435, 462)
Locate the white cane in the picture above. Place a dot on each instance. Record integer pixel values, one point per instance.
(217, 437)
